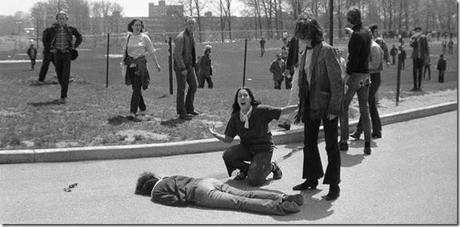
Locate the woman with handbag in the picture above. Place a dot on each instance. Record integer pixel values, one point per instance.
(138, 46)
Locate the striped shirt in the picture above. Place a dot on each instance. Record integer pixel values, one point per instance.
(61, 43)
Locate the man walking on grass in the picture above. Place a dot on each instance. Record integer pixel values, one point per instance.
(59, 41)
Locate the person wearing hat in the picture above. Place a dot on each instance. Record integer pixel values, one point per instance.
(204, 68)
(58, 40)
(420, 53)
(278, 67)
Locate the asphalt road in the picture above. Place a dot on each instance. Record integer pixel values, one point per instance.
(410, 178)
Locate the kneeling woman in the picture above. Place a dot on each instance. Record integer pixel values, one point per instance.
(249, 121)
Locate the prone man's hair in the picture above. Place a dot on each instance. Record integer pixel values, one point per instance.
(145, 183)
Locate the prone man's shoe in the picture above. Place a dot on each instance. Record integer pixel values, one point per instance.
(297, 198)
(277, 173)
(289, 207)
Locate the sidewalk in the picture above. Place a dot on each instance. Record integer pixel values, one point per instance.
(410, 107)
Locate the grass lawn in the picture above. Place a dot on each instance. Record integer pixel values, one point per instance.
(29, 117)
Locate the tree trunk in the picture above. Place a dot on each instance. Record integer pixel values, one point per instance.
(222, 25)
(339, 19)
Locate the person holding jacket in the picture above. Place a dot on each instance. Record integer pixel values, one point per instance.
(138, 46)
(209, 192)
(184, 66)
(357, 79)
(376, 59)
(59, 40)
(320, 94)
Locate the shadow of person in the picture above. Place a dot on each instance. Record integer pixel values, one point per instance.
(172, 122)
(312, 209)
(349, 160)
(46, 103)
(46, 82)
(118, 120)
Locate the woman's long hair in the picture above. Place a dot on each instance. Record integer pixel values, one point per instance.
(145, 183)
(236, 108)
(130, 25)
(308, 28)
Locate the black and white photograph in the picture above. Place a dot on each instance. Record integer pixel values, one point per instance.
(229, 112)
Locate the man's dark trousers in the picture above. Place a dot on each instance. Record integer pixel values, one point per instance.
(190, 79)
(417, 72)
(47, 58)
(62, 64)
(373, 111)
(312, 167)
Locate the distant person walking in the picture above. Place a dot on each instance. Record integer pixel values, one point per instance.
(262, 46)
(209, 192)
(184, 67)
(450, 46)
(47, 55)
(426, 68)
(32, 53)
(204, 68)
(138, 46)
(420, 52)
(249, 120)
(402, 57)
(357, 79)
(441, 67)
(277, 68)
(59, 40)
(393, 53)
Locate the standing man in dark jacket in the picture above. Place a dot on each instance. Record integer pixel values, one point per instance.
(59, 40)
(357, 79)
(184, 66)
(420, 52)
(47, 55)
(32, 53)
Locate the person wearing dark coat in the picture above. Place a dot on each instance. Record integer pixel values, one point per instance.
(441, 67)
(59, 40)
(204, 68)
(420, 53)
(32, 53)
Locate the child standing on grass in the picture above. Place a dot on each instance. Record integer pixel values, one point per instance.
(249, 121)
(442, 65)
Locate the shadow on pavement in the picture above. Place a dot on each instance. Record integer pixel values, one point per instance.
(46, 82)
(46, 103)
(312, 209)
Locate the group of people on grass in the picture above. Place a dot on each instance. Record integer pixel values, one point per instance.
(323, 85)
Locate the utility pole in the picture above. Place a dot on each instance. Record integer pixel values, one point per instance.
(331, 21)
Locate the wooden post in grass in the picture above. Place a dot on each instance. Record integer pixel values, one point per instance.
(244, 66)
(398, 82)
(107, 64)
(170, 60)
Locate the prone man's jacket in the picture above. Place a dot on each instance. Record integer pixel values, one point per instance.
(49, 37)
(184, 51)
(358, 50)
(323, 94)
(175, 190)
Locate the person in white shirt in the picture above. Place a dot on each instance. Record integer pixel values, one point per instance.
(138, 46)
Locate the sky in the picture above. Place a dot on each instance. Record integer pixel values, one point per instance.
(131, 8)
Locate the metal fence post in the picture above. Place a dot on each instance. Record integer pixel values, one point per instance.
(107, 64)
(170, 66)
(398, 82)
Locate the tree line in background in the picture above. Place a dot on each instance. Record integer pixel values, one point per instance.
(393, 16)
